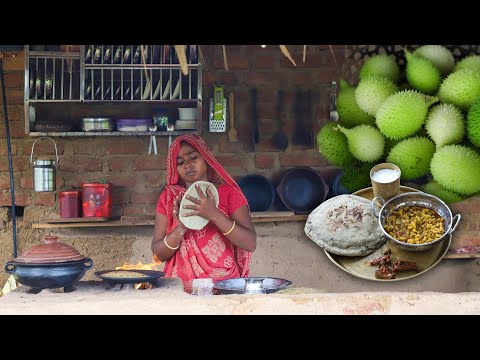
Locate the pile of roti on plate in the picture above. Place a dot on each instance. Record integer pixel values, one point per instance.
(345, 225)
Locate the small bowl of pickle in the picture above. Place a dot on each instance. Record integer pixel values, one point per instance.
(416, 221)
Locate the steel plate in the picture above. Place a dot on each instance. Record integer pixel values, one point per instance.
(240, 285)
(359, 265)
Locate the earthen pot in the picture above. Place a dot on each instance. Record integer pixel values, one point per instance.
(49, 265)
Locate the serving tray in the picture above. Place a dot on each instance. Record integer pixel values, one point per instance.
(360, 267)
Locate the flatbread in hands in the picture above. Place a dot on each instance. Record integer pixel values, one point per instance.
(345, 225)
(196, 222)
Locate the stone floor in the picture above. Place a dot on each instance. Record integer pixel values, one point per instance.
(93, 297)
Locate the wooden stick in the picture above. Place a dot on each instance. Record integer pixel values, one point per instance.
(287, 54)
(182, 58)
(304, 52)
(203, 59)
(144, 62)
(333, 54)
(225, 57)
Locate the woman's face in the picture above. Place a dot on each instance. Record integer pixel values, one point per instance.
(191, 165)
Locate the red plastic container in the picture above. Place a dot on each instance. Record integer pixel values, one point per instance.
(97, 199)
(70, 204)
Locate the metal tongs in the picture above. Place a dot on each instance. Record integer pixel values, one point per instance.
(153, 140)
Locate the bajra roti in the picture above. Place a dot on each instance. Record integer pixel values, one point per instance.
(345, 225)
(196, 222)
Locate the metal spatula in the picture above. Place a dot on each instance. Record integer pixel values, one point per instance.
(333, 105)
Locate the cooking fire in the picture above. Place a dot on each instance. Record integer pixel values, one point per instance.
(140, 266)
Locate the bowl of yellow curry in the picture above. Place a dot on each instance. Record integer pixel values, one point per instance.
(415, 221)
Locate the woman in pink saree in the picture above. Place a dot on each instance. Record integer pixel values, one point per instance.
(223, 248)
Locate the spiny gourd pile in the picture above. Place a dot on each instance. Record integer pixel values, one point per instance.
(425, 119)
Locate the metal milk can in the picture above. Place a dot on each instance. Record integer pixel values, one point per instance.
(44, 171)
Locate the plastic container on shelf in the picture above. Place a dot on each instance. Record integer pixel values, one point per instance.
(97, 199)
(187, 113)
(70, 204)
(160, 118)
(133, 124)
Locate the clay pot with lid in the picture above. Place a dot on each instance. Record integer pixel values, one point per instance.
(49, 265)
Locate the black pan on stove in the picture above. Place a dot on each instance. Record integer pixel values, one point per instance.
(116, 276)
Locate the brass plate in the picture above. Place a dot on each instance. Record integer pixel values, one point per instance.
(359, 265)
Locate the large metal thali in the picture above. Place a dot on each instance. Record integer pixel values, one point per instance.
(360, 267)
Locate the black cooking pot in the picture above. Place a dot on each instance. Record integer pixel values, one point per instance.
(48, 276)
(302, 189)
(259, 192)
(49, 265)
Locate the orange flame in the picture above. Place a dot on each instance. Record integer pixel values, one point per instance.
(141, 266)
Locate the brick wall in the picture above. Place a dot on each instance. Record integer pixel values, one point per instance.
(138, 178)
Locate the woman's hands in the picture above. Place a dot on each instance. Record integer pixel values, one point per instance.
(204, 206)
(176, 210)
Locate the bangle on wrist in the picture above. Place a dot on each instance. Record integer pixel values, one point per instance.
(168, 246)
(231, 229)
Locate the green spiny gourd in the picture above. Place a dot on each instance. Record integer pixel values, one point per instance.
(422, 132)
(372, 91)
(365, 142)
(405, 86)
(333, 145)
(473, 123)
(439, 191)
(445, 125)
(389, 144)
(348, 110)
(422, 74)
(457, 168)
(471, 62)
(381, 65)
(403, 113)
(439, 55)
(356, 176)
(412, 156)
(460, 88)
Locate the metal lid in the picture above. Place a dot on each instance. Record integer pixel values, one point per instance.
(52, 251)
(97, 184)
(70, 193)
(44, 162)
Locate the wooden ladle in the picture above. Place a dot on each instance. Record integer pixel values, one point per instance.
(232, 132)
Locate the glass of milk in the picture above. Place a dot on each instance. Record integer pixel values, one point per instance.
(385, 178)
